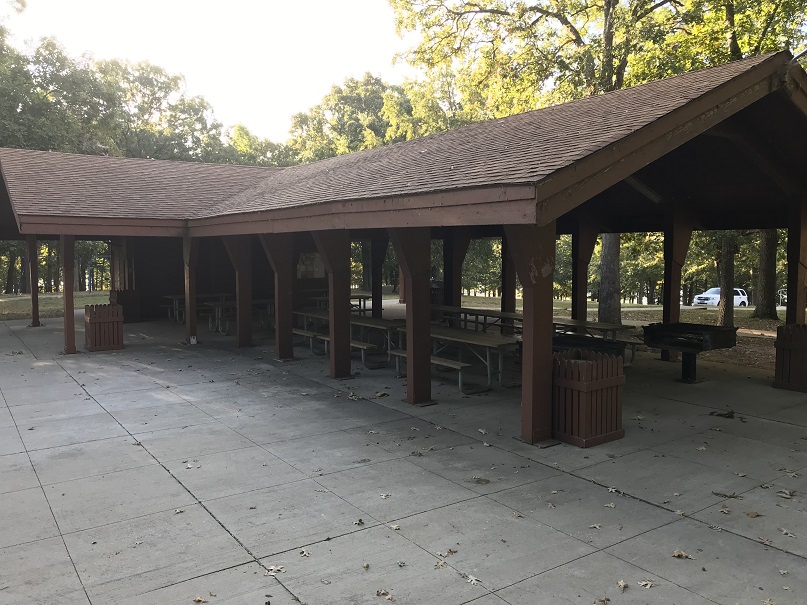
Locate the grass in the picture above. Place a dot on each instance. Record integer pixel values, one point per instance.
(18, 306)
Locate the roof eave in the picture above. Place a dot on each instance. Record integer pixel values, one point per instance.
(570, 187)
(101, 226)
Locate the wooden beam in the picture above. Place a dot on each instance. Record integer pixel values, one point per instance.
(190, 255)
(378, 252)
(239, 249)
(533, 251)
(677, 236)
(334, 248)
(68, 254)
(584, 238)
(279, 249)
(455, 248)
(413, 250)
(797, 263)
(33, 278)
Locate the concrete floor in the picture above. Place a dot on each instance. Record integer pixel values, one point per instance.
(163, 473)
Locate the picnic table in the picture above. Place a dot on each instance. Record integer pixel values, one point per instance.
(312, 318)
(481, 345)
(358, 302)
(226, 310)
(481, 319)
(176, 308)
(564, 325)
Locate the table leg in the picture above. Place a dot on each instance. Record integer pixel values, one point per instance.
(688, 367)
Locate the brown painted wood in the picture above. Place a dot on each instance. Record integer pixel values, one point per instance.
(378, 252)
(413, 250)
(239, 249)
(334, 247)
(190, 255)
(279, 249)
(677, 236)
(584, 238)
(455, 247)
(797, 263)
(33, 278)
(508, 287)
(68, 254)
(533, 251)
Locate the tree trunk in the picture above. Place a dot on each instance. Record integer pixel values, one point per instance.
(609, 310)
(766, 290)
(725, 310)
(11, 274)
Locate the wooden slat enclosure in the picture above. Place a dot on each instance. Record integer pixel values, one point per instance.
(103, 327)
(587, 397)
(791, 357)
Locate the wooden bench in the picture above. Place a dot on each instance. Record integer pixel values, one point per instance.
(399, 354)
(308, 335)
(354, 344)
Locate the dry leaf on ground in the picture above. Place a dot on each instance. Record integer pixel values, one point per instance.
(647, 583)
(753, 514)
(610, 505)
(680, 554)
(622, 585)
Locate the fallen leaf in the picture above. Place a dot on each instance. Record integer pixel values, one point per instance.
(611, 490)
(552, 505)
(622, 585)
(472, 580)
(382, 394)
(200, 600)
(178, 511)
(768, 602)
(273, 570)
(701, 448)
(731, 495)
(785, 493)
(680, 554)
(741, 474)
(602, 601)
(610, 505)
(753, 514)
(325, 581)
(401, 563)
(384, 593)
(483, 431)
(679, 512)
(765, 541)
(516, 514)
(486, 444)
(448, 553)
(366, 565)
(595, 526)
(385, 496)
(725, 509)
(783, 572)
(786, 533)
(359, 522)
(647, 583)
(304, 553)
(395, 527)
(440, 565)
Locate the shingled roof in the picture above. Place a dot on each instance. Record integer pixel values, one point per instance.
(526, 151)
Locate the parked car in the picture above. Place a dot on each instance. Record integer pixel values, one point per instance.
(712, 298)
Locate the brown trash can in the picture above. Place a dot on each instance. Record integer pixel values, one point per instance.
(103, 327)
(587, 397)
(791, 357)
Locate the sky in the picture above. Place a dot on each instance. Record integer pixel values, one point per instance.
(257, 62)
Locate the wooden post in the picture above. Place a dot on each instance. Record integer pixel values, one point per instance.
(455, 247)
(508, 279)
(533, 251)
(279, 250)
(240, 252)
(797, 263)
(190, 255)
(334, 248)
(584, 238)
(378, 252)
(413, 250)
(33, 278)
(68, 244)
(677, 236)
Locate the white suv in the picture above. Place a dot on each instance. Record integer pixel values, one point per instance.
(712, 297)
